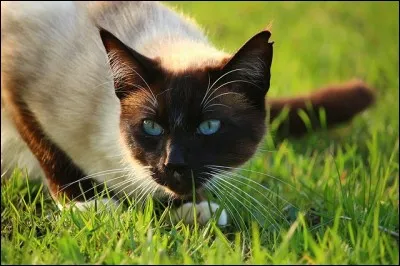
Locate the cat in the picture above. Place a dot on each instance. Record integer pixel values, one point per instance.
(133, 95)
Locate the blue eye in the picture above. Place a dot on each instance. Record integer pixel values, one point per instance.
(209, 127)
(152, 128)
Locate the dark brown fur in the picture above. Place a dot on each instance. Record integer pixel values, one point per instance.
(180, 148)
(340, 101)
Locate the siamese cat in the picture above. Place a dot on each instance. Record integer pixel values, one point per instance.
(134, 96)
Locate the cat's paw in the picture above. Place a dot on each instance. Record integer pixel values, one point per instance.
(204, 212)
(85, 205)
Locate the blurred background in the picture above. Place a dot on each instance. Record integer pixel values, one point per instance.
(315, 42)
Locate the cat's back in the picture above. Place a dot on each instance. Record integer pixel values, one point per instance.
(53, 58)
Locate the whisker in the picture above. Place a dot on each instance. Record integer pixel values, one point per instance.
(155, 99)
(209, 88)
(94, 187)
(254, 199)
(239, 199)
(256, 183)
(229, 82)
(93, 175)
(252, 171)
(130, 193)
(213, 188)
(219, 95)
(216, 104)
(148, 96)
(138, 197)
(115, 186)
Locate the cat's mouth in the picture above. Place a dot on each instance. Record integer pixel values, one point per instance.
(181, 184)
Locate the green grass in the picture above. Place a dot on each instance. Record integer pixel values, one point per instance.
(344, 183)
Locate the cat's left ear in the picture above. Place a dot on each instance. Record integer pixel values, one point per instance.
(252, 65)
(131, 70)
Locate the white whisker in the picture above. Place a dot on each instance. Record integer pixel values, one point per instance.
(209, 88)
(257, 201)
(254, 182)
(113, 171)
(229, 82)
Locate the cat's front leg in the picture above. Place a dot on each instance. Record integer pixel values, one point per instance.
(204, 212)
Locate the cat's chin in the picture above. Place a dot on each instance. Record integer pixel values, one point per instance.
(182, 195)
(178, 187)
(167, 193)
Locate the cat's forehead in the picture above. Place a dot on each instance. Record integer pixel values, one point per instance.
(183, 96)
(182, 58)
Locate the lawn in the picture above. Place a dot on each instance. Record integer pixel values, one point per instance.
(329, 197)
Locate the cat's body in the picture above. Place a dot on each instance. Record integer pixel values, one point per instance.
(61, 117)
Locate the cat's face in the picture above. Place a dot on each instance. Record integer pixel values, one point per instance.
(177, 124)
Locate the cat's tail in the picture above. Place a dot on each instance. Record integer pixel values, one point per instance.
(340, 102)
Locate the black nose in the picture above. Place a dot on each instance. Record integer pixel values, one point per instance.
(175, 161)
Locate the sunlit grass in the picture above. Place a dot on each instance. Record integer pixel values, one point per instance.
(338, 190)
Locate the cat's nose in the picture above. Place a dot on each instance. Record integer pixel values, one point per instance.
(175, 162)
(175, 169)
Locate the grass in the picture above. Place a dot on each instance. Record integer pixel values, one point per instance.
(343, 183)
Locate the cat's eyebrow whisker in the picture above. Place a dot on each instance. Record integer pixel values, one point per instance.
(131, 69)
(209, 88)
(216, 104)
(148, 96)
(121, 75)
(232, 81)
(218, 176)
(219, 95)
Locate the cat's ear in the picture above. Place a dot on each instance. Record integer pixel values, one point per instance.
(131, 70)
(252, 64)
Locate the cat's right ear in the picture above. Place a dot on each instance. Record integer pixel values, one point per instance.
(252, 67)
(131, 70)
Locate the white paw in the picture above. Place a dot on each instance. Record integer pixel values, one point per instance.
(83, 206)
(204, 212)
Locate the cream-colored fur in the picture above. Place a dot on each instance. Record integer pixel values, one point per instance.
(55, 48)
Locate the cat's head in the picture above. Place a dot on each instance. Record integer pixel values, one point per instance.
(178, 123)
